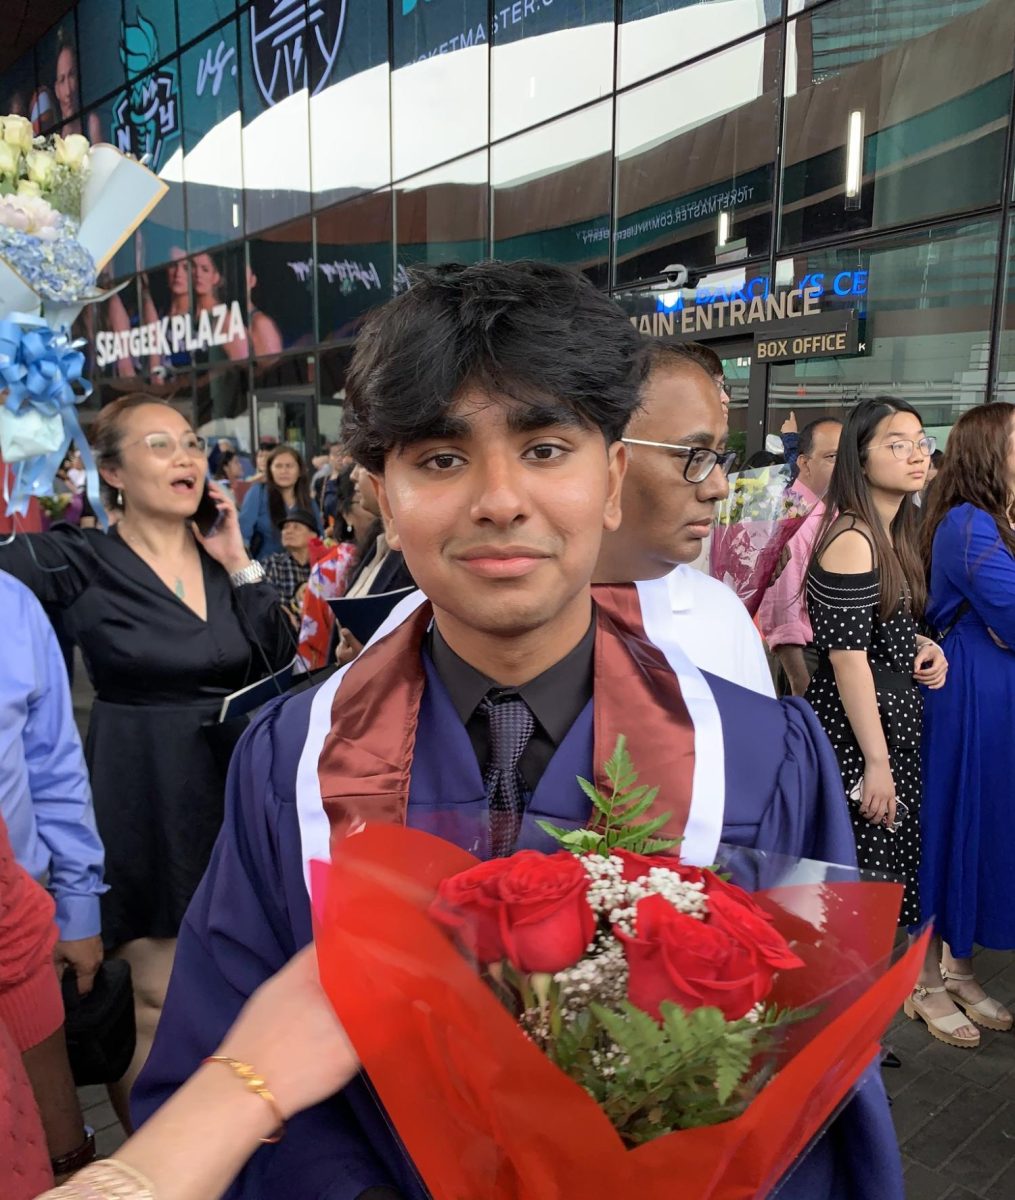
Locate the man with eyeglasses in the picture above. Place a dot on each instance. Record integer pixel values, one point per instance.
(676, 473)
(783, 612)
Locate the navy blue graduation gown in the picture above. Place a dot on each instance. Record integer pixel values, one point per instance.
(252, 913)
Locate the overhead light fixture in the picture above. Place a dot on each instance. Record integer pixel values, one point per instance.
(724, 228)
(854, 158)
(236, 215)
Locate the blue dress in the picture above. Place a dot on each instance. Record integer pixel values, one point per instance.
(260, 534)
(969, 752)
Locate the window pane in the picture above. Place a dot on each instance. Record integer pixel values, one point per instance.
(878, 133)
(439, 86)
(696, 163)
(530, 42)
(100, 70)
(212, 140)
(354, 267)
(105, 329)
(149, 35)
(222, 406)
(927, 312)
(219, 285)
(542, 209)
(658, 34)
(280, 310)
(166, 294)
(333, 366)
(276, 119)
(1005, 386)
(58, 96)
(443, 216)
(19, 86)
(285, 390)
(147, 123)
(350, 116)
(195, 16)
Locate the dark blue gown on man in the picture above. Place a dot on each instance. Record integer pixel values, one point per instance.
(252, 913)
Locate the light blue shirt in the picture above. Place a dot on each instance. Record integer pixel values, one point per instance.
(45, 798)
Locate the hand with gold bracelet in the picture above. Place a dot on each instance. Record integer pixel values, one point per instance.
(287, 1041)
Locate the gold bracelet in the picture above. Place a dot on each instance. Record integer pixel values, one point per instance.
(108, 1180)
(254, 1083)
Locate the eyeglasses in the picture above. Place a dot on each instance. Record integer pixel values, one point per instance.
(903, 447)
(699, 461)
(164, 445)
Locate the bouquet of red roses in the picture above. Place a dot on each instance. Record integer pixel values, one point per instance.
(752, 527)
(640, 977)
(604, 1020)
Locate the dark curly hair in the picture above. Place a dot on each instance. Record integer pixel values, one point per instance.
(534, 332)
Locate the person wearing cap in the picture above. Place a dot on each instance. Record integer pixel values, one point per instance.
(289, 569)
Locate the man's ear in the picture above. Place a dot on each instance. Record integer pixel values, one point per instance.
(616, 470)
(390, 532)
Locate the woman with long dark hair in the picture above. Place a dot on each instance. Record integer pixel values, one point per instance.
(285, 488)
(865, 592)
(969, 755)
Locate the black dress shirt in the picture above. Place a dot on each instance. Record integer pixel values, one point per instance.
(555, 698)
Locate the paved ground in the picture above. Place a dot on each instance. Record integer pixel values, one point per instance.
(954, 1110)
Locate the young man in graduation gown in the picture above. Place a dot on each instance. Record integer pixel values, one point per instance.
(488, 402)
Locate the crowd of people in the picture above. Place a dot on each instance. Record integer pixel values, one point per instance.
(550, 502)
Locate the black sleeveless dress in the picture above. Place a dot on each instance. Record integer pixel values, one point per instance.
(844, 614)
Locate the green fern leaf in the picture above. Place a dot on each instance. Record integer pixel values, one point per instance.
(599, 801)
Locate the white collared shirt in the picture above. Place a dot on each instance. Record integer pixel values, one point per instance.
(712, 627)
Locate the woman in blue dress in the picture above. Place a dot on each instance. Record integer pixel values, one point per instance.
(265, 505)
(969, 753)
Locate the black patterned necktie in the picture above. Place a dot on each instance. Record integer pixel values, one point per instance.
(511, 725)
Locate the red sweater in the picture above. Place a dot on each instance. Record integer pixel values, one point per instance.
(31, 1010)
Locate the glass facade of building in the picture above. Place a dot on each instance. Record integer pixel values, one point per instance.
(857, 153)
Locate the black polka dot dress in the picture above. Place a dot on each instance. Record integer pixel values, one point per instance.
(844, 615)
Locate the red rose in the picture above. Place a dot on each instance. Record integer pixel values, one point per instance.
(546, 920)
(674, 957)
(469, 905)
(752, 928)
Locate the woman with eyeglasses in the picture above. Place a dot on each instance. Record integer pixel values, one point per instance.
(969, 755)
(169, 622)
(865, 593)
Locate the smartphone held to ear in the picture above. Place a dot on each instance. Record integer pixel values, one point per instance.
(208, 518)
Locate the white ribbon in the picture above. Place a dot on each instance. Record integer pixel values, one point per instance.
(708, 796)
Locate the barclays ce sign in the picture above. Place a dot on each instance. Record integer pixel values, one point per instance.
(818, 283)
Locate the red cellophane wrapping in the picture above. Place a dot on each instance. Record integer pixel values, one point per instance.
(481, 1110)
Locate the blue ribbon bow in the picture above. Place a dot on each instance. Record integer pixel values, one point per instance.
(42, 370)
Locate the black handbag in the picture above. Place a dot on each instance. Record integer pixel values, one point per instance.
(100, 1026)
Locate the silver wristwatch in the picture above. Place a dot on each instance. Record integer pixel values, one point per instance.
(252, 573)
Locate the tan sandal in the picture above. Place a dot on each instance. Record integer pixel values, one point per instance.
(942, 1028)
(988, 1012)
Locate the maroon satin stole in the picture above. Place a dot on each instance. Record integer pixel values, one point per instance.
(366, 762)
